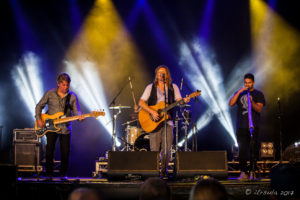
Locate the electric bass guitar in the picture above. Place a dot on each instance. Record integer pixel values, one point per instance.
(148, 124)
(51, 121)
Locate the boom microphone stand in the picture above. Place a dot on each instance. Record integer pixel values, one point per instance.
(113, 102)
(165, 121)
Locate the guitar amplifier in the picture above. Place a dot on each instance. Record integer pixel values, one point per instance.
(26, 135)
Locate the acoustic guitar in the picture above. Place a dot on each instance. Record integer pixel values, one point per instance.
(148, 124)
(51, 121)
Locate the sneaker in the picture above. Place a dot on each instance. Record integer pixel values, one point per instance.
(243, 176)
(163, 175)
(252, 175)
(48, 178)
(64, 178)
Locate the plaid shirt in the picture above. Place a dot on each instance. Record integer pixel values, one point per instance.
(57, 104)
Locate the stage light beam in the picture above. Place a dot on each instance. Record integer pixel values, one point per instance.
(202, 69)
(88, 86)
(26, 76)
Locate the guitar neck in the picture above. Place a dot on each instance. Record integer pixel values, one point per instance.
(173, 105)
(180, 101)
(68, 119)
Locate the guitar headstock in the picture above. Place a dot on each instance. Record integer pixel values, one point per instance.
(195, 94)
(97, 113)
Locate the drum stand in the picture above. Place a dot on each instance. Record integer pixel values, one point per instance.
(114, 129)
(185, 127)
(176, 131)
(127, 136)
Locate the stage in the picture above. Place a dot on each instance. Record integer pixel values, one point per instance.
(35, 189)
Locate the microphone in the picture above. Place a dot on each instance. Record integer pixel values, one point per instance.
(163, 77)
(130, 82)
(181, 84)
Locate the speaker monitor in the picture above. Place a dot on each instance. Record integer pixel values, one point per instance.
(26, 154)
(122, 164)
(211, 163)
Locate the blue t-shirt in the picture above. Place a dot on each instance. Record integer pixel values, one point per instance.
(242, 114)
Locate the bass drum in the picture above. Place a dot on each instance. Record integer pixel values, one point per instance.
(142, 143)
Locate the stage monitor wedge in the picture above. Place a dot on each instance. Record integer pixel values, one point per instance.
(126, 164)
(211, 163)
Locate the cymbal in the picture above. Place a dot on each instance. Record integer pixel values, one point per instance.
(128, 122)
(184, 105)
(118, 107)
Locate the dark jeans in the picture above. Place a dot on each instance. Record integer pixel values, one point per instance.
(64, 142)
(248, 149)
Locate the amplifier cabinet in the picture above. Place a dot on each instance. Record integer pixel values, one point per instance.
(25, 135)
(26, 154)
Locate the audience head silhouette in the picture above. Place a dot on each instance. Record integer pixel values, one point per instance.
(208, 189)
(85, 194)
(154, 189)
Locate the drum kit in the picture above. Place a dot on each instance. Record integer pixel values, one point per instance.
(136, 139)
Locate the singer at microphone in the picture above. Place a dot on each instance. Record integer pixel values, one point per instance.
(247, 144)
(160, 90)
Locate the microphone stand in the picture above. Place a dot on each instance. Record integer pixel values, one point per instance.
(165, 123)
(280, 129)
(251, 128)
(113, 102)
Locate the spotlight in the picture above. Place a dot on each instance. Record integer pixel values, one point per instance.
(267, 150)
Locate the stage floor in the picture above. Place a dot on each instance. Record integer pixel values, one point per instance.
(38, 188)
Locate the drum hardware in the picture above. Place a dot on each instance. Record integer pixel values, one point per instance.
(176, 130)
(132, 133)
(129, 122)
(118, 107)
(184, 105)
(115, 123)
(187, 119)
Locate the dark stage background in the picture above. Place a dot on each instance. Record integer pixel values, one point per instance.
(155, 31)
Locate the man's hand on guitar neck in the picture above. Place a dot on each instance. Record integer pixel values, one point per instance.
(81, 118)
(186, 99)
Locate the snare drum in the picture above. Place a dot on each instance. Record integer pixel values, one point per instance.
(133, 134)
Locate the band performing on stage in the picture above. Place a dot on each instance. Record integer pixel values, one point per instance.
(148, 100)
(154, 115)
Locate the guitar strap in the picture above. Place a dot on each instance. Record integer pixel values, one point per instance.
(67, 104)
